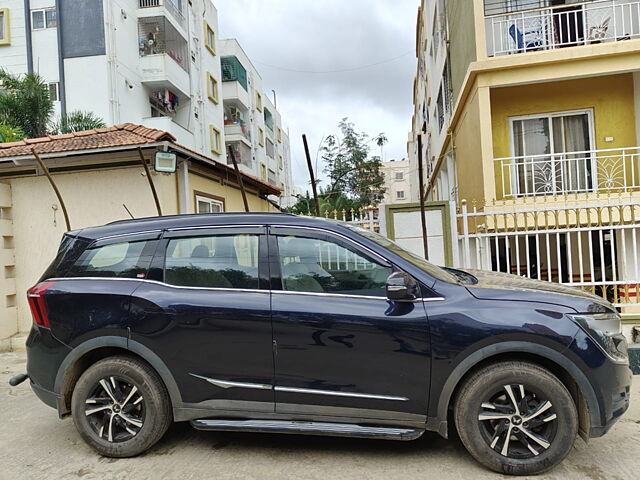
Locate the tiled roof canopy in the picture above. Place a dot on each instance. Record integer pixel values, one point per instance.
(117, 136)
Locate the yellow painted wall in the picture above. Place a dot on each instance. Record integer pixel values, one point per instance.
(92, 198)
(231, 194)
(610, 97)
(468, 151)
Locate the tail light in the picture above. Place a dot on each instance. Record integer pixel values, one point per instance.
(35, 295)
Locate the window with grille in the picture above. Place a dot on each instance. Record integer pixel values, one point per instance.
(233, 71)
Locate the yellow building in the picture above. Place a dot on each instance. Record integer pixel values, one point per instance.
(101, 178)
(529, 117)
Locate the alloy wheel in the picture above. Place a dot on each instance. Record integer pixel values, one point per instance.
(518, 422)
(115, 409)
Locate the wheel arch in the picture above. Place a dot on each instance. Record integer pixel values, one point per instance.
(91, 351)
(563, 368)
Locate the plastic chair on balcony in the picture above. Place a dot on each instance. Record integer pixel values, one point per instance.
(597, 33)
(527, 41)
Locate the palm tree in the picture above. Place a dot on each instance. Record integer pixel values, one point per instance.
(25, 103)
(77, 121)
(9, 133)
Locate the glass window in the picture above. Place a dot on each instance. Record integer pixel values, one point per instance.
(51, 17)
(212, 88)
(209, 205)
(210, 39)
(124, 259)
(216, 140)
(53, 92)
(37, 19)
(221, 261)
(314, 265)
(4, 26)
(399, 175)
(400, 194)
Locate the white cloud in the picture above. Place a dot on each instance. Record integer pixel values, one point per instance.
(323, 36)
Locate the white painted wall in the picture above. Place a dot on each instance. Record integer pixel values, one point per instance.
(13, 57)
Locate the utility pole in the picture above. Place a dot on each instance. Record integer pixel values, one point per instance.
(239, 176)
(423, 219)
(153, 187)
(311, 175)
(54, 186)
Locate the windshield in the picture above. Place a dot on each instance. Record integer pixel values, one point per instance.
(433, 270)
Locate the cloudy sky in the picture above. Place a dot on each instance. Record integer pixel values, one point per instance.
(329, 59)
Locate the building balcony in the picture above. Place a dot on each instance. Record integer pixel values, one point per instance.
(174, 7)
(161, 71)
(167, 124)
(610, 171)
(233, 92)
(237, 132)
(562, 26)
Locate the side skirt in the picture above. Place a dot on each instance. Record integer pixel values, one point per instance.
(309, 428)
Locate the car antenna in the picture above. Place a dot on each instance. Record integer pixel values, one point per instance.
(128, 211)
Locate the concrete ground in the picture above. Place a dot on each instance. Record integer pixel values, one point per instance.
(35, 444)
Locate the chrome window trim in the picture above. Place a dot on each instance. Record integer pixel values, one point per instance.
(350, 240)
(313, 391)
(119, 235)
(157, 282)
(432, 299)
(227, 384)
(329, 294)
(206, 227)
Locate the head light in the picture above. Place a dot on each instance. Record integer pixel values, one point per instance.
(606, 330)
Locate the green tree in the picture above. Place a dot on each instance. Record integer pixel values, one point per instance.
(25, 103)
(77, 121)
(10, 134)
(353, 174)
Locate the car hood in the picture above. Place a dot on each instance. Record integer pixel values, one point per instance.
(503, 286)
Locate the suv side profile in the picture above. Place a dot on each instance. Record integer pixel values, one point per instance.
(280, 323)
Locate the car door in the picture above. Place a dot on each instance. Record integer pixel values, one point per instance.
(205, 310)
(342, 349)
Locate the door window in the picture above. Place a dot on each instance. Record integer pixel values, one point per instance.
(553, 154)
(123, 259)
(219, 261)
(314, 265)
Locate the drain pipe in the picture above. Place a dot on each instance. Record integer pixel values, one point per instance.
(27, 27)
(61, 84)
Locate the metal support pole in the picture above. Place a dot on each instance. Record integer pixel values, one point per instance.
(423, 219)
(239, 176)
(153, 187)
(55, 188)
(313, 180)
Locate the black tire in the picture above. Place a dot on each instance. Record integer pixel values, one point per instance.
(135, 421)
(490, 393)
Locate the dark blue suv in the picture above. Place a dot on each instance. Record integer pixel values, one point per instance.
(279, 323)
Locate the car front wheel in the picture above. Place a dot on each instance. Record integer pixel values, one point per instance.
(121, 407)
(516, 418)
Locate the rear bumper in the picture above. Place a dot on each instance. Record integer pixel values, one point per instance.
(48, 397)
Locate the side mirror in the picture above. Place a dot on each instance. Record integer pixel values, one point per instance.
(402, 287)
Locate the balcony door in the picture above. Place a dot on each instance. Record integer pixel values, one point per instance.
(553, 153)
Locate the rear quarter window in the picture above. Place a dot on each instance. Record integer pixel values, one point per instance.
(122, 259)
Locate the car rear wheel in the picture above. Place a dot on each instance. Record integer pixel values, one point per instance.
(121, 407)
(516, 418)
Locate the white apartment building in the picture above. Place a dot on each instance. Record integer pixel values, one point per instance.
(397, 181)
(150, 62)
(252, 125)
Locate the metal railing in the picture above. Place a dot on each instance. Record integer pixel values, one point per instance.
(608, 170)
(562, 26)
(175, 7)
(594, 246)
(366, 218)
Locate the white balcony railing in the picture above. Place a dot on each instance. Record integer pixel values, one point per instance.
(597, 171)
(175, 7)
(563, 26)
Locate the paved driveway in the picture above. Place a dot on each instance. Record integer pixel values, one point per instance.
(35, 444)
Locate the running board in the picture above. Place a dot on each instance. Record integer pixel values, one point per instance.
(308, 428)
